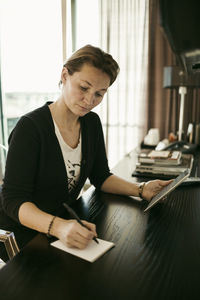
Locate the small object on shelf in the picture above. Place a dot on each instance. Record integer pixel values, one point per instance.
(172, 137)
(152, 138)
(162, 144)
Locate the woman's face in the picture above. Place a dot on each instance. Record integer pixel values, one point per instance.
(85, 89)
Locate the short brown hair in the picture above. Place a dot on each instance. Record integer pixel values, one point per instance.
(95, 57)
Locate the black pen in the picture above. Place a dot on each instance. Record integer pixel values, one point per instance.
(75, 216)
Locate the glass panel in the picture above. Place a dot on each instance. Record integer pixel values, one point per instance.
(87, 23)
(31, 57)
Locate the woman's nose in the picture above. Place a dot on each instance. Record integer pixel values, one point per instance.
(89, 99)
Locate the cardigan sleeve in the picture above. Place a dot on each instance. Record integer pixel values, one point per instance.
(100, 171)
(21, 167)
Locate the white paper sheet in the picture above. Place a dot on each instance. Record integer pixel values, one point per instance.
(91, 253)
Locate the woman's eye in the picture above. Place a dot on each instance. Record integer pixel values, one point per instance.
(98, 95)
(83, 88)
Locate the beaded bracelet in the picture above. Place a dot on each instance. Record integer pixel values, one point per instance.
(50, 226)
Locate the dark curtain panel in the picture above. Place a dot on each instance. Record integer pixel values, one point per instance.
(164, 104)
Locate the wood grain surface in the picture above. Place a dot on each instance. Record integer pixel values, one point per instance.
(157, 254)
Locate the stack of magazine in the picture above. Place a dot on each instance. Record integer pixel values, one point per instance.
(165, 162)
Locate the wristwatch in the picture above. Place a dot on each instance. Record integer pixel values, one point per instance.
(140, 189)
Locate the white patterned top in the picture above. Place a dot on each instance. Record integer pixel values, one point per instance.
(72, 158)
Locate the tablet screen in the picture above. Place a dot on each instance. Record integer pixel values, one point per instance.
(167, 189)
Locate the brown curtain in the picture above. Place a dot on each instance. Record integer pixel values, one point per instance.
(163, 104)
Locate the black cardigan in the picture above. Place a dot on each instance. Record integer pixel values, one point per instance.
(35, 169)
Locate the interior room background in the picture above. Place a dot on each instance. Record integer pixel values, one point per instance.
(38, 35)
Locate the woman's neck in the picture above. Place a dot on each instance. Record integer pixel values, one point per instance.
(63, 117)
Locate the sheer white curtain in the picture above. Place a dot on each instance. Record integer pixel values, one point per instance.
(124, 34)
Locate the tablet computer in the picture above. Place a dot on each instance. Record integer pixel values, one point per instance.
(168, 189)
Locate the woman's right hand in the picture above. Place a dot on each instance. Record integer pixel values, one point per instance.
(72, 234)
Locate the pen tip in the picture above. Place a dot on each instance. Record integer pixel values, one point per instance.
(95, 239)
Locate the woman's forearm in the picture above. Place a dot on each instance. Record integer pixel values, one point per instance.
(116, 185)
(70, 232)
(33, 217)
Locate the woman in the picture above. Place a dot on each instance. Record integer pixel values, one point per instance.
(55, 148)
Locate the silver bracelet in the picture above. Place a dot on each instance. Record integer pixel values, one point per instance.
(140, 189)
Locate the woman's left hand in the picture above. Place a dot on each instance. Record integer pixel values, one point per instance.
(153, 187)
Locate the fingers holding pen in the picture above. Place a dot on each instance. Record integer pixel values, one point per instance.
(91, 227)
(75, 235)
(80, 236)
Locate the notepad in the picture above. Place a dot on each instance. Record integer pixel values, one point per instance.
(91, 253)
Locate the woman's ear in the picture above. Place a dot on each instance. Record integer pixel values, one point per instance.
(64, 74)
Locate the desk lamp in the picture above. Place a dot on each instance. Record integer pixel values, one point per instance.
(181, 25)
(175, 77)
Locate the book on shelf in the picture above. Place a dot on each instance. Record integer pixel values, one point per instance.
(163, 157)
(166, 169)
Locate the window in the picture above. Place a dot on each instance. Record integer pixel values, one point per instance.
(31, 57)
(32, 52)
(87, 23)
